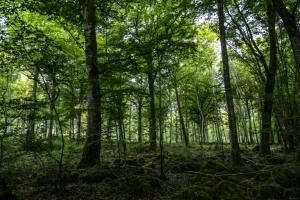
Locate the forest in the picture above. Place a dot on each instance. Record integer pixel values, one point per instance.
(150, 99)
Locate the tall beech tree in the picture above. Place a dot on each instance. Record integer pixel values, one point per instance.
(30, 135)
(266, 130)
(91, 151)
(235, 149)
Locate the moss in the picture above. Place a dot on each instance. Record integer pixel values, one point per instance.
(255, 148)
(6, 195)
(216, 165)
(275, 159)
(271, 190)
(183, 164)
(46, 178)
(136, 187)
(71, 177)
(287, 175)
(291, 193)
(95, 175)
(191, 193)
(227, 190)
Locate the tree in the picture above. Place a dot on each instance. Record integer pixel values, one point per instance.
(235, 149)
(269, 87)
(31, 117)
(91, 151)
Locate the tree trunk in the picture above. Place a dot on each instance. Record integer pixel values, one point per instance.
(31, 117)
(140, 128)
(181, 120)
(91, 151)
(78, 137)
(50, 130)
(161, 134)
(152, 111)
(266, 130)
(249, 122)
(290, 24)
(235, 151)
(130, 123)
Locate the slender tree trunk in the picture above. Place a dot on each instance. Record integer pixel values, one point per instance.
(50, 130)
(176, 130)
(91, 151)
(31, 118)
(290, 24)
(130, 124)
(161, 134)
(183, 128)
(249, 122)
(235, 149)
(78, 137)
(201, 117)
(140, 128)
(266, 130)
(1, 150)
(152, 113)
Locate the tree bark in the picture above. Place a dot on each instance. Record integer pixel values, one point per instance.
(152, 111)
(31, 117)
(235, 149)
(266, 130)
(91, 151)
(50, 130)
(78, 135)
(181, 120)
(140, 128)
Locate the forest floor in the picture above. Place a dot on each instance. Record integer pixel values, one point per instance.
(203, 173)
